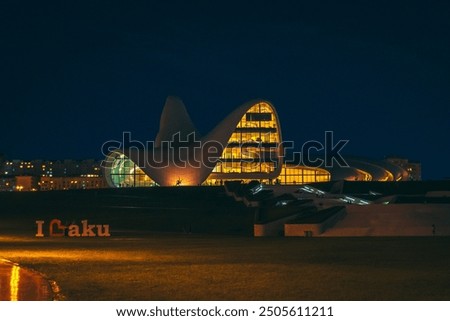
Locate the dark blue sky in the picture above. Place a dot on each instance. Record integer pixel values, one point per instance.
(75, 74)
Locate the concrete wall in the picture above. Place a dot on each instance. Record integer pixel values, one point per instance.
(275, 228)
(302, 229)
(293, 229)
(393, 220)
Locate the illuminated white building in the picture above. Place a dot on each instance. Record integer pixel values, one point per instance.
(245, 146)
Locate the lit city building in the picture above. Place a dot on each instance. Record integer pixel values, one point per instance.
(50, 168)
(246, 145)
(44, 175)
(66, 183)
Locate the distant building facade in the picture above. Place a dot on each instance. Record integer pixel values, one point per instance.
(45, 175)
(50, 168)
(27, 183)
(7, 183)
(66, 183)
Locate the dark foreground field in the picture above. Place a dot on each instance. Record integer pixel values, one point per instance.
(205, 267)
(201, 209)
(148, 257)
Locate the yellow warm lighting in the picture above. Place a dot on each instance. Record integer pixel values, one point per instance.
(258, 125)
(296, 174)
(363, 175)
(14, 283)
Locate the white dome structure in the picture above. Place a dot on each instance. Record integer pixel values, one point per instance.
(246, 145)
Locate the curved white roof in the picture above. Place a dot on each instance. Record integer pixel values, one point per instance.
(192, 164)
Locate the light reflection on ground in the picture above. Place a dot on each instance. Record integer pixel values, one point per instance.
(18, 284)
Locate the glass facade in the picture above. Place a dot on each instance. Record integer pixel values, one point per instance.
(253, 147)
(295, 174)
(122, 172)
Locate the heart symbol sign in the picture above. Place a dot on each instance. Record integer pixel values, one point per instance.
(55, 225)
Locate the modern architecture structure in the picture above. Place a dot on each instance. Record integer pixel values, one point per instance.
(413, 167)
(246, 145)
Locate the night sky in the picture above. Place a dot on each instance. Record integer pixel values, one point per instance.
(75, 74)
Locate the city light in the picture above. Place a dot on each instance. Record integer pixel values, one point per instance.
(14, 283)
